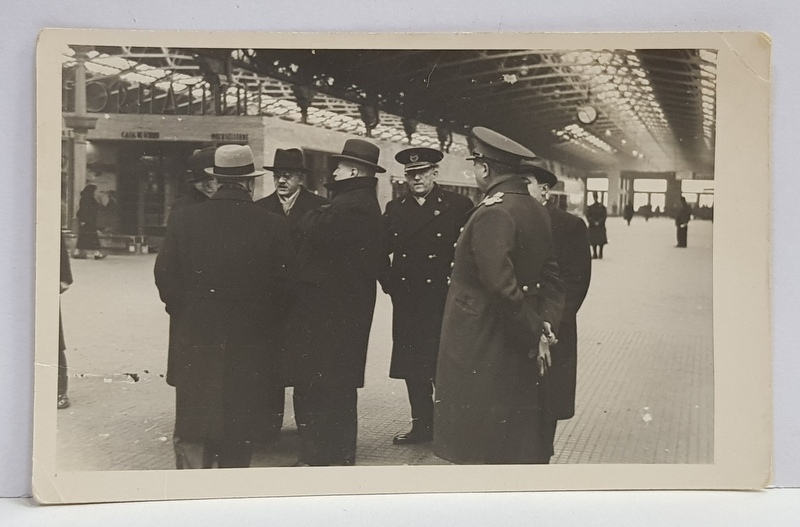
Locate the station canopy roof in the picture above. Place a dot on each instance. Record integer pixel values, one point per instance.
(655, 109)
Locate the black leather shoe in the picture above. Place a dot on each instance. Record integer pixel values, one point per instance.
(413, 437)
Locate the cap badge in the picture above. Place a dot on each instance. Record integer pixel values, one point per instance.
(437, 212)
(414, 158)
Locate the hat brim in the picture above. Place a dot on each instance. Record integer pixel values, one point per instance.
(197, 177)
(541, 175)
(304, 170)
(377, 168)
(254, 173)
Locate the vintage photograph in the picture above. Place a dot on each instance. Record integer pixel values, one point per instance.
(439, 255)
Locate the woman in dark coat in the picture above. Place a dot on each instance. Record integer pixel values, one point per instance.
(596, 217)
(88, 209)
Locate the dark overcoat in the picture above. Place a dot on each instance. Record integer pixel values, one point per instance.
(66, 277)
(421, 239)
(596, 214)
(192, 197)
(340, 258)
(503, 287)
(222, 273)
(306, 201)
(88, 239)
(575, 267)
(683, 215)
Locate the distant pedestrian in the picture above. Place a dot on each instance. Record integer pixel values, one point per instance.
(570, 237)
(647, 212)
(88, 238)
(596, 217)
(421, 228)
(682, 217)
(627, 212)
(200, 184)
(501, 316)
(291, 200)
(340, 258)
(66, 281)
(222, 273)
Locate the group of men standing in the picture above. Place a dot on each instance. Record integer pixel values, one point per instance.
(281, 292)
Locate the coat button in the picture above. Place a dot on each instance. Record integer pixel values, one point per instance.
(396, 234)
(212, 291)
(428, 280)
(403, 255)
(448, 280)
(455, 245)
(452, 264)
(403, 278)
(461, 229)
(538, 285)
(438, 234)
(431, 256)
(524, 288)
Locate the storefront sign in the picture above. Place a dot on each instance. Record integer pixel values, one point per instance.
(139, 134)
(230, 137)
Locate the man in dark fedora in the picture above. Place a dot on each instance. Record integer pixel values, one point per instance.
(221, 272)
(201, 185)
(571, 241)
(291, 200)
(501, 316)
(340, 258)
(420, 229)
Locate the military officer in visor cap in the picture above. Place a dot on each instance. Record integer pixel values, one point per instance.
(501, 316)
(420, 229)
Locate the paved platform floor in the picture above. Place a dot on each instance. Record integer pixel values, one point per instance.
(645, 378)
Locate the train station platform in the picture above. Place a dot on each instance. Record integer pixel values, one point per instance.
(645, 378)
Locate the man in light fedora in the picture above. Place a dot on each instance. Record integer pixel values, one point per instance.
(202, 185)
(221, 273)
(291, 200)
(339, 261)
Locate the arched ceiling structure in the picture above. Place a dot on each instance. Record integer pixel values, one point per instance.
(656, 109)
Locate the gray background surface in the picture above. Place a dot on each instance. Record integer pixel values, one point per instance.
(23, 20)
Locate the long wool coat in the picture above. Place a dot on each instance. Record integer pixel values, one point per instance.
(306, 201)
(504, 285)
(222, 272)
(340, 258)
(575, 267)
(192, 197)
(421, 239)
(596, 214)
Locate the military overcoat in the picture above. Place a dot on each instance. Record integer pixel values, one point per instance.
(504, 285)
(421, 240)
(340, 258)
(222, 274)
(575, 267)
